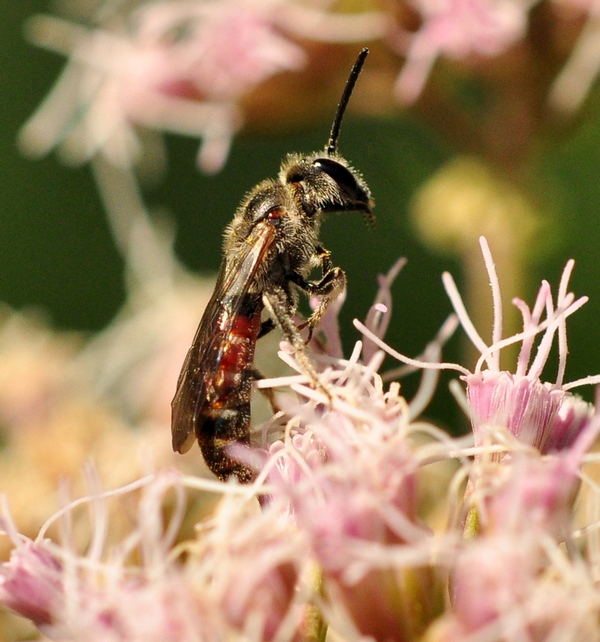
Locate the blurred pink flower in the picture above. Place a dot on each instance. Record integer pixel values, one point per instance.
(510, 589)
(100, 595)
(532, 494)
(31, 582)
(177, 66)
(505, 579)
(251, 562)
(458, 29)
(238, 579)
(493, 577)
(173, 65)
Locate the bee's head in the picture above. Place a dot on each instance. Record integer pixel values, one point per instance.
(326, 183)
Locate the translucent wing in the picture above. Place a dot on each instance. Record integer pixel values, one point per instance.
(196, 383)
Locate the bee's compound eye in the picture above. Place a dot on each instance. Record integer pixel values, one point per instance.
(340, 174)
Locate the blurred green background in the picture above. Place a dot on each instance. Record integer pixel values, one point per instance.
(58, 255)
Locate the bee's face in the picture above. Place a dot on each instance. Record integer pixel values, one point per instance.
(326, 184)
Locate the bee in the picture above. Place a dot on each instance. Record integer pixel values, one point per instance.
(269, 251)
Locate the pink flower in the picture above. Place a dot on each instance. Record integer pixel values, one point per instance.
(493, 577)
(98, 595)
(532, 495)
(457, 29)
(31, 583)
(535, 494)
(520, 589)
(251, 563)
(182, 68)
(172, 65)
(502, 592)
(347, 476)
(156, 608)
(513, 578)
(540, 414)
(237, 580)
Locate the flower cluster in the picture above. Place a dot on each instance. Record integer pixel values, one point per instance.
(373, 523)
(178, 66)
(206, 68)
(365, 521)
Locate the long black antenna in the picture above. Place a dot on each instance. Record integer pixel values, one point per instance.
(339, 115)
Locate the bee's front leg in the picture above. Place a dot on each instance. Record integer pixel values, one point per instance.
(327, 289)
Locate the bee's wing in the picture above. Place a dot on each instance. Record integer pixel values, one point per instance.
(204, 356)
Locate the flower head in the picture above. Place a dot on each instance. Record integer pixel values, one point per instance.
(172, 65)
(31, 583)
(96, 596)
(347, 474)
(540, 414)
(458, 29)
(504, 589)
(252, 562)
(502, 578)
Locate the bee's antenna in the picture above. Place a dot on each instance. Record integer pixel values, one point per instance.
(339, 115)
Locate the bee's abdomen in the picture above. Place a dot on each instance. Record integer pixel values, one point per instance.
(225, 419)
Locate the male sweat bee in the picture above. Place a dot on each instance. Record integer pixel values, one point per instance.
(269, 250)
